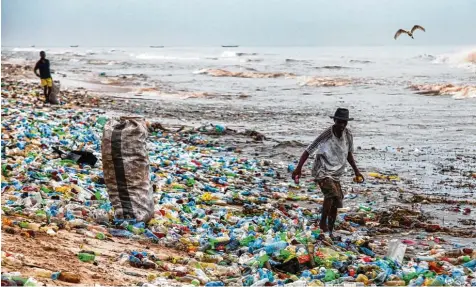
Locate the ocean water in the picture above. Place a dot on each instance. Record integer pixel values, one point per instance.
(416, 105)
(284, 86)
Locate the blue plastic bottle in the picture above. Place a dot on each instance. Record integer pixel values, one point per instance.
(275, 247)
(471, 264)
(367, 251)
(151, 235)
(215, 283)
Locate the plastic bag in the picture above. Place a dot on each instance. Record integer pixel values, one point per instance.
(126, 168)
(396, 250)
(53, 98)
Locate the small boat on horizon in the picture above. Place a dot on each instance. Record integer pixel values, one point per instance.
(74, 46)
(156, 46)
(230, 46)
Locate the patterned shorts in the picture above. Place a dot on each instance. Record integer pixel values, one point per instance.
(332, 189)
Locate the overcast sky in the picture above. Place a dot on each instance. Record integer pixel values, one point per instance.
(243, 22)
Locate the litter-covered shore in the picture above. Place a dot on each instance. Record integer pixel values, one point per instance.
(223, 216)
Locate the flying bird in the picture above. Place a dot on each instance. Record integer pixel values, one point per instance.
(409, 33)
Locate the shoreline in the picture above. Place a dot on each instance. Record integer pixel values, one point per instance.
(275, 155)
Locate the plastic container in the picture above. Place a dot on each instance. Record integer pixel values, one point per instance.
(86, 257)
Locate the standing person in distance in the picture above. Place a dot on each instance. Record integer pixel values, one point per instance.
(43, 65)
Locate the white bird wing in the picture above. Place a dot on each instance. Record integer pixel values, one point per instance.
(400, 32)
(418, 27)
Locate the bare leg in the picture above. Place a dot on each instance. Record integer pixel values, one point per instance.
(326, 208)
(45, 92)
(332, 216)
(48, 94)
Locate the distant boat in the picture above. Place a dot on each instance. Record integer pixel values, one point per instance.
(33, 46)
(156, 46)
(229, 46)
(74, 46)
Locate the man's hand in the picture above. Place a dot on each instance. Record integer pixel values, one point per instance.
(359, 177)
(296, 175)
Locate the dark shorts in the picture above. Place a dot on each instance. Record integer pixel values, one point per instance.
(332, 189)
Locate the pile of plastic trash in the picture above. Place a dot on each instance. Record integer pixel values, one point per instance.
(238, 222)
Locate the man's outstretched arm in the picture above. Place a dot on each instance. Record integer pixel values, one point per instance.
(298, 171)
(350, 159)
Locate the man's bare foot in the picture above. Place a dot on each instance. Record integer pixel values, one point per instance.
(323, 227)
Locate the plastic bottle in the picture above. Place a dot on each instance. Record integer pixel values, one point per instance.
(275, 247)
(291, 167)
(425, 258)
(208, 258)
(416, 282)
(367, 251)
(100, 236)
(120, 233)
(11, 261)
(201, 276)
(214, 283)
(77, 223)
(31, 282)
(365, 208)
(381, 278)
(42, 273)
(69, 277)
(33, 226)
(86, 257)
(330, 275)
(97, 228)
(471, 264)
(438, 281)
(362, 279)
(260, 282)
(395, 283)
(151, 235)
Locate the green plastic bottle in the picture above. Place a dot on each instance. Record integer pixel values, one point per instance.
(365, 208)
(263, 259)
(246, 241)
(23, 224)
(86, 257)
(330, 276)
(190, 182)
(465, 258)
(100, 236)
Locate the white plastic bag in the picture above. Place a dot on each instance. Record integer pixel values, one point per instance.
(396, 250)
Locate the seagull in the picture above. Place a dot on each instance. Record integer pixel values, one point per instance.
(416, 27)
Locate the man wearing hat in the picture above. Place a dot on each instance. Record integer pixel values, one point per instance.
(333, 150)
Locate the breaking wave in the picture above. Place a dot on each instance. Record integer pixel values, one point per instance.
(26, 50)
(428, 57)
(465, 59)
(161, 57)
(333, 68)
(327, 82)
(361, 61)
(458, 92)
(232, 54)
(244, 74)
(289, 60)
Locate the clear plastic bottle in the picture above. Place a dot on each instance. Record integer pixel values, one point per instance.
(43, 273)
